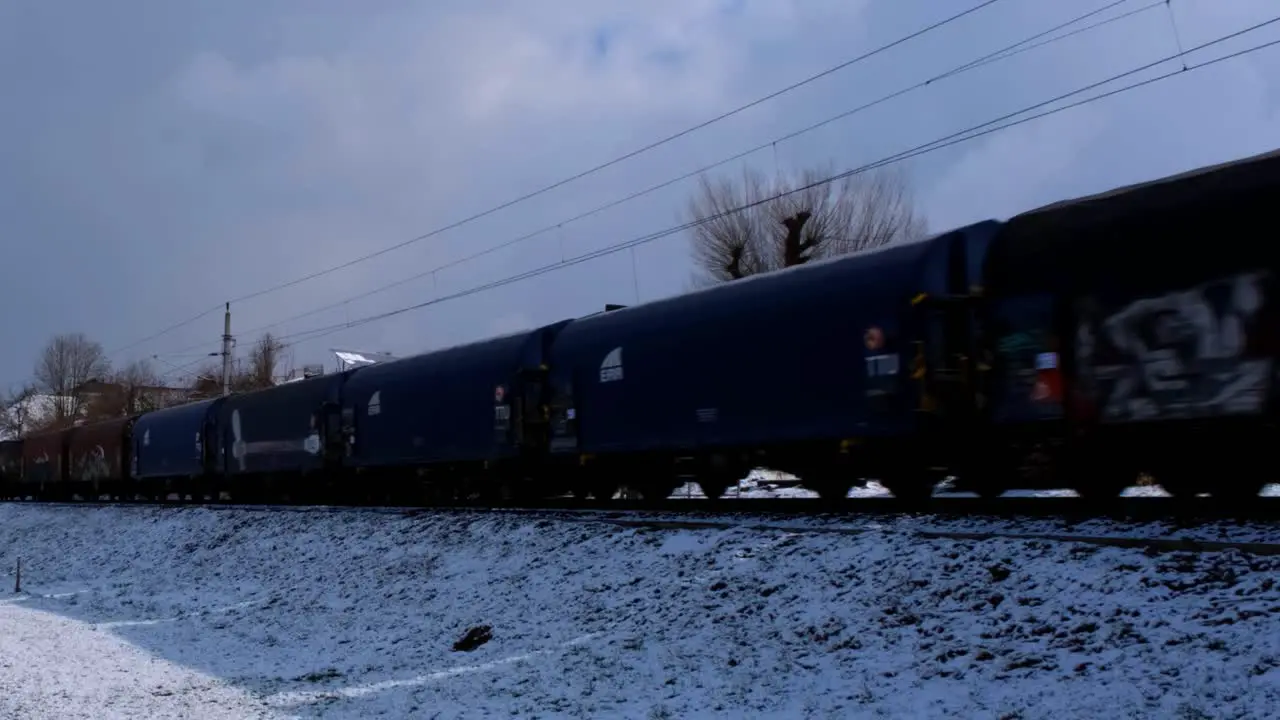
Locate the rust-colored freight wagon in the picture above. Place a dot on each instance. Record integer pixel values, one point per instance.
(43, 464)
(98, 457)
(10, 467)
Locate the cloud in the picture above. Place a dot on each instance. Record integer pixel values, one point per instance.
(1015, 170)
(413, 117)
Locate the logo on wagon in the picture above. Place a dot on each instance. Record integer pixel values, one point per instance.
(611, 366)
(873, 338)
(879, 364)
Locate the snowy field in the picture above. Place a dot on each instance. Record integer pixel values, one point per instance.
(166, 613)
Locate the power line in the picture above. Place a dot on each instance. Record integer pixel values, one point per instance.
(953, 139)
(991, 57)
(723, 116)
(591, 171)
(177, 371)
(166, 331)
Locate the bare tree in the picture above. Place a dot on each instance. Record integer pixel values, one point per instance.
(68, 361)
(17, 414)
(265, 359)
(140, 385)
(813, 221)
(207, 382)
(269, 358)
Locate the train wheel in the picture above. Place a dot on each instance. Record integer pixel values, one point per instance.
(1177, 485)
(829, 489)
(988, 489)
(990, 482)
(1233, 467)
(713, 488)
(1097, 472)
(1105, 485)
(1183, 473)
(654, 490)
(1241, 488)
(911, 486)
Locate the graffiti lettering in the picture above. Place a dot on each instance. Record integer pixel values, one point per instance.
(1182, 354)
(93, 465)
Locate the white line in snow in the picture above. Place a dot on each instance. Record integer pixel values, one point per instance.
(25, 596)
(176, 618)
(355, 691)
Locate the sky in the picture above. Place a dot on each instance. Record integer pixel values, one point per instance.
(158, 159)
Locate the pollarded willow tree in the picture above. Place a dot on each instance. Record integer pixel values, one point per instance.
(781, 229)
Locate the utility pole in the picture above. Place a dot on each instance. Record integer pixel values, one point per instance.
(226, 352)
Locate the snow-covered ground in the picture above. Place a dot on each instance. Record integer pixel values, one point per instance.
(158, 613)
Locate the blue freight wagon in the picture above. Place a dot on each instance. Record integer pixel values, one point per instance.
(809, 370)
(174, 447)
(475, 412)
(285, 434)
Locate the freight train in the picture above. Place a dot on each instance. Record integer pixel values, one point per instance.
(1077, 345)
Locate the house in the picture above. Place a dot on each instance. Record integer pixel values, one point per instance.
(109, 398)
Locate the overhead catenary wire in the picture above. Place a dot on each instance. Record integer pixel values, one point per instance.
(165, 331)
(1004, 53)
(998, 124)
(585, 173)
(179, 371)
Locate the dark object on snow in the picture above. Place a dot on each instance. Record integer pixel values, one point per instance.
(474, 638)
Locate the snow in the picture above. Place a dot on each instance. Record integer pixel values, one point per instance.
(762, 483)
(54, 662)
(162, 613)
(32, 411)
(350, 358)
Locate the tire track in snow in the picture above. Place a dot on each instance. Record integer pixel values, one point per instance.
(298, 697)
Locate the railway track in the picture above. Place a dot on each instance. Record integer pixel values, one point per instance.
(758, 514)
(1066, 508)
